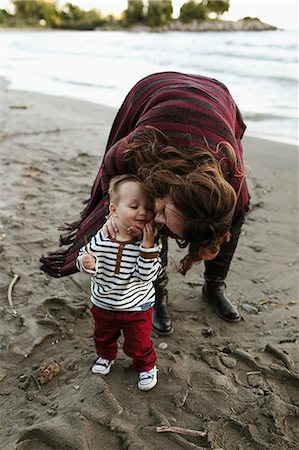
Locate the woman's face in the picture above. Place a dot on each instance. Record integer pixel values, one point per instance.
(167, 214)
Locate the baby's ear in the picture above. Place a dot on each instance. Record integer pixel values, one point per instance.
(112, 209)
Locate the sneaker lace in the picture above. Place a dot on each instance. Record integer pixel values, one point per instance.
(103, 362)
(147, 375)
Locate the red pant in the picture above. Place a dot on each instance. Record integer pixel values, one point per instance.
(136, 327)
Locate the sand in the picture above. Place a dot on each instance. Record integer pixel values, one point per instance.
(236, 383)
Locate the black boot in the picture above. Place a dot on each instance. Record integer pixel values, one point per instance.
(161, 320)
(216, 272)
(214, 293)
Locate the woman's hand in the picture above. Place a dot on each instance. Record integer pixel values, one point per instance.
(148, 236)
(88, 262)
(110, 228)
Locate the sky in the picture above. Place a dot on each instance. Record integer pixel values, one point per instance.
(281, 13)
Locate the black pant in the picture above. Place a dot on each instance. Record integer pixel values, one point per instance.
(217, 268)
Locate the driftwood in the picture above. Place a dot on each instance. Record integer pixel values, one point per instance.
(181, 431)
(9, 294)
(280, 354)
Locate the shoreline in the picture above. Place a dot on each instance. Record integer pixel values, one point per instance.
(50, 151)
(4, 84)
(213, 25)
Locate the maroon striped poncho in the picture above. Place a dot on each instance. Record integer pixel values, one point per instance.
(178, 105)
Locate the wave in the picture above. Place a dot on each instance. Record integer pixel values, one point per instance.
(280, 59)
(81, 83)
(259, 116)
(245, 72)
(274, 137)
(225, 53)
(276, 45)
(139, 51)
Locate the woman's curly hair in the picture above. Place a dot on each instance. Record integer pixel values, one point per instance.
(197, 184)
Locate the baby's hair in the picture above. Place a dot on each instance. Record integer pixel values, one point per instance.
(116, 183)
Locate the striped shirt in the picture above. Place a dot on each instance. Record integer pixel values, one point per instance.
(124, 274)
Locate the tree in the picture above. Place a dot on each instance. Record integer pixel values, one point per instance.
(217, 6)
(4, 16)
(159, 12)
(46, 12)
(193, 10)
(28, 9)
(134, 12)
(32, 11)
(50, 13)
(73, 17)
(72, 13)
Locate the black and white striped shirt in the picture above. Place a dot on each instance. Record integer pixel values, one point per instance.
(124, 274)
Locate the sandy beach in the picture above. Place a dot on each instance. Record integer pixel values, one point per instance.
(238, 384)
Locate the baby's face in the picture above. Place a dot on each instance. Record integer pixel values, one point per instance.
(134, 207)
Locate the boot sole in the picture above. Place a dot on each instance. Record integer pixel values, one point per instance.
(163, 333)
(227, 319)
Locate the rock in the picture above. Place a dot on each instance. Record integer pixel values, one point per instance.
(228, 361)
(249, 308)
(47, 371)
(258, 391)
(208, 332)
(163, 346)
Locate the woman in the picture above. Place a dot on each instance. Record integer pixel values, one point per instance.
(182, 134)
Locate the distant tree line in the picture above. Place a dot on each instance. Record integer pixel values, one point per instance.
(151, 13)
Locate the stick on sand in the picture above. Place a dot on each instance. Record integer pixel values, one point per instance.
(9, 294)
(181, 431)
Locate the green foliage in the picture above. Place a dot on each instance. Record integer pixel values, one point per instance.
(159, 12)
(217, 6)
(28, 9)
(153, 13)
(72, 13)
(34, 11)
(134, 12)
(4, 16)
(248, 19)
(73, 17)
(47, 13)
(193, 10)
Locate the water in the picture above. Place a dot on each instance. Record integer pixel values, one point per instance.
(259, 68)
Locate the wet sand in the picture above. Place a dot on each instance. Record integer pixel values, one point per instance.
(237, 383)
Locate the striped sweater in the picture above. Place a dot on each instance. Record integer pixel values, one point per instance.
(124, 274)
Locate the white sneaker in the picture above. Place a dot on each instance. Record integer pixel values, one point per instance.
(147, 380)
(102, 366)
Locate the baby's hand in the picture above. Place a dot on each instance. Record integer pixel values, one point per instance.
(148, 236)
(88, 262)
(136, 230)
